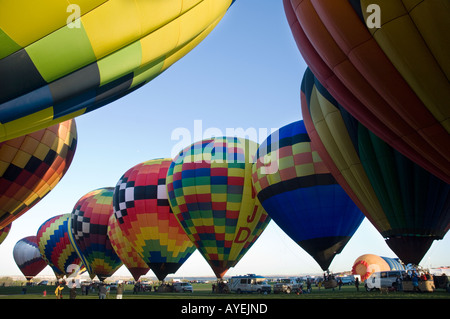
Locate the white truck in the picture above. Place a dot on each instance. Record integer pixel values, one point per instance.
(382, 279)
(249, 283)
(287, 285)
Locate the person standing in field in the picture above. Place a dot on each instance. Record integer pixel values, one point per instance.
(102, 291)
(119, 291)
(73, 290)
(58, 290)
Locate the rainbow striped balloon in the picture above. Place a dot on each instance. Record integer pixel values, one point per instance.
(28, 257)
(144, 215)
(55, 247)
(89, 226)
(130, 258)
(210, 191)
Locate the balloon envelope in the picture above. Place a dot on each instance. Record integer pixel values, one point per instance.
(392, 76)
(409, 206)
(61, 60)
(55, 247)
(130, 258)
(89, 233)
(367, 264)
(32, 165)
(211, 194)
(144, 215)
(299, 193)
(28, 257)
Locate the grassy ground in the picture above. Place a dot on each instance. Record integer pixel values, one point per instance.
(203, 291)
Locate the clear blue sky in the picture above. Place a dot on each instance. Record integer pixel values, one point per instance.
(245, 74)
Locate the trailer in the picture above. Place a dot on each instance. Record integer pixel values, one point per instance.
(249, 283)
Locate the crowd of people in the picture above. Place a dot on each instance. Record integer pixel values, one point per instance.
(103, 289)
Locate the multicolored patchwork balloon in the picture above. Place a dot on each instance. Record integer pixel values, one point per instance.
(127, 254)
(60, 59)
(56, 249)
(210, 191)
(409, 206)
(386, 63)
(143, 213)
(89, 233)
(299, 193)
(31, 166)
(28, 257)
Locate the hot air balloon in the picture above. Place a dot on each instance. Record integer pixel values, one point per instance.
(211, 193)
(409, 206)
(59, 60)
(143, 213)
(386, 62)
(4, 232)
(130, 258)
(31, 166)
(299, 193)
(56, 249)
(89, 233)
(28, 257)
(367, 264)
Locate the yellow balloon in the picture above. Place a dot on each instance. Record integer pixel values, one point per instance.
(59, 60)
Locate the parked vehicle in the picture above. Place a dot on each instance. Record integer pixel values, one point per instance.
(383, 279)
(346, 280)
(287, 285)
(249, 283)
(182, 287)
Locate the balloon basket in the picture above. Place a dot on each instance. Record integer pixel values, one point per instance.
(221, 287)
(328, 284)
(165, 288)
(424, 286)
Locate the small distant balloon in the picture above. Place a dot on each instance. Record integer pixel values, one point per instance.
(28, 257)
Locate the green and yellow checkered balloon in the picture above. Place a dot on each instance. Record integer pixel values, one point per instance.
(210, 190)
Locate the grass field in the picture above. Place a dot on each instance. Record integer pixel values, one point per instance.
(203, 291)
